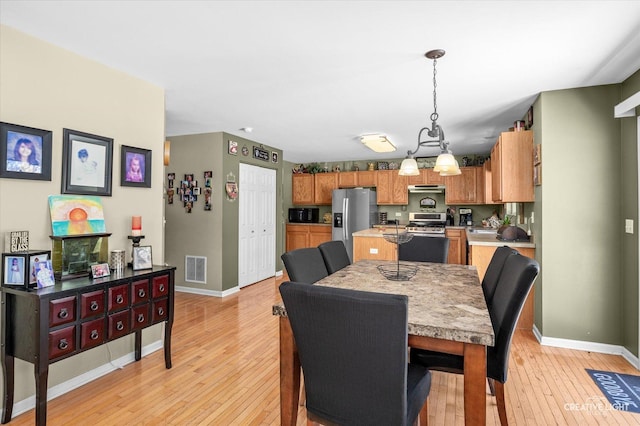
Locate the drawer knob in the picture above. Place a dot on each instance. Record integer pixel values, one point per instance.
(94, 334)
(63, 344)
(119, 326)
(63, 313)
(141, 293)
(119, 299)
(161, 287)
(160, 311)
(94, 305)
(140, 317)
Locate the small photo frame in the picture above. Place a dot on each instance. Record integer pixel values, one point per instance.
(33, 266)
(142, 258)
(100, 270)
(383, 165)
(135, 167)
(233, 147)
(537, 175)
(87, 162)
(44, 274)
(14, 270)
(537, 154)
(274, 157)
(25, 152)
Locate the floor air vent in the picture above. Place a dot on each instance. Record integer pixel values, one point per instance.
(195, 269)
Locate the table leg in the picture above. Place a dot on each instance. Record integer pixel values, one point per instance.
(138, 345)
(289, 375)
(41, 374)
(7, 369)
(475, 373)
(167, 343)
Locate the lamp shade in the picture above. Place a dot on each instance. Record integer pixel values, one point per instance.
(451, 171)
(409, 167)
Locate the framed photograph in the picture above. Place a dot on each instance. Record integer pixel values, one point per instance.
(135, 167)
(34, 259)
(383, 165)
(537, 175)
(274, 157)
(25, 152)
(142, 258)
(530, 117)
(14, 268)
(100, 270)
(233, 147)
(44, 276)
(87, 162)
(426, 162)
(537, 154)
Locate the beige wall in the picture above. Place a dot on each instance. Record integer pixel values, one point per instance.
(49, 88)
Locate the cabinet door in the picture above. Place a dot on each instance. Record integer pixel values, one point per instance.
(420, 179)
(383, 189)
(324, 184)
(347, 179)
(461, 189)
(457, 246)
(376, 248)
(433, 178)
(297, 237)
(496, 171)
(487, 188)
(319, 235)
(302, 188)
(392, 188)
(367, 178)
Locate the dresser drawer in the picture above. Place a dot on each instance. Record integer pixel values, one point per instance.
(140, 317)
(160, 312)
(160, 286)
(62, 311)
(62, 342)
(92, 333)
(91, 304)
(118, 297)
(118, 324)
(140, 291)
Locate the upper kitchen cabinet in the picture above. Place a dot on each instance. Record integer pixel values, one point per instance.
(302, 188)
(391, 188)
(323, 186)
(353, 179)
(512, 168)
(426, 177)
(465, 187)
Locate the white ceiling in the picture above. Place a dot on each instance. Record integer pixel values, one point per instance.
(311, 76)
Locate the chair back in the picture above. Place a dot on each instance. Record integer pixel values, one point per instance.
(335, 255)
(494, 269)
(425, 249)
(513, 286)
(353, 351)
(305, 265)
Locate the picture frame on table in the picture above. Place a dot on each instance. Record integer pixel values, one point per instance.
(142, 258)
(19, 269)
(44, 274)
(135, 167)
(87, 163)
(100, 270)
(25, 152)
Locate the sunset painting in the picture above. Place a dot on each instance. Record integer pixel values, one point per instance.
(76, 215)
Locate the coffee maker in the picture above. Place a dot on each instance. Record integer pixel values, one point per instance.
(465, 217)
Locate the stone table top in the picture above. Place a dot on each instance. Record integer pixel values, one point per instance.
(445, 300)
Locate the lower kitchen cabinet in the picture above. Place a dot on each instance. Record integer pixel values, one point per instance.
(375, 248)
(457, 245)
(302, 236)
(43, 326)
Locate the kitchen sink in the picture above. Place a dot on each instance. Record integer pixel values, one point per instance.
(483, 231)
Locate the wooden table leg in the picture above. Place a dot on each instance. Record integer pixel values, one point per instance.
(475, 373)
(7, 368)
(289, 375)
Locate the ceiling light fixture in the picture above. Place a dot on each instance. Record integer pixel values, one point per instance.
(378, 143)
(446, 164)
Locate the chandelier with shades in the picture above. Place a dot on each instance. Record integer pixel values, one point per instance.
(446, 163)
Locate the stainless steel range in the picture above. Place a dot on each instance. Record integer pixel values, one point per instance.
(427, 224)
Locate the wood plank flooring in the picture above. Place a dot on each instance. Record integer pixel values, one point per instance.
(225, 372)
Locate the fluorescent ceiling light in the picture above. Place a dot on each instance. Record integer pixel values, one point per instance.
(378, 143)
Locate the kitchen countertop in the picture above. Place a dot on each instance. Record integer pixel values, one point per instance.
(309, 224)
(487, 237)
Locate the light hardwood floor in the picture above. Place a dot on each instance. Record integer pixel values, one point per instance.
(225, 372)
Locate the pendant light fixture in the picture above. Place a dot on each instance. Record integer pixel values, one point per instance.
(446, 164)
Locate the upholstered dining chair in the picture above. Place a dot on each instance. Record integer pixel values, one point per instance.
(494, 269)
(335, 255)
(353, 352)
(511, 291)
(425, 249)
(305, 265)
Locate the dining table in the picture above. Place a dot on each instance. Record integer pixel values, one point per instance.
(447, 313)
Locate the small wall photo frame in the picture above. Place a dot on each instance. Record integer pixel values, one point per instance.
(25, 152)
(537, 154)
(135, 167)
(87, 162)
(142, 258)
(100, 270)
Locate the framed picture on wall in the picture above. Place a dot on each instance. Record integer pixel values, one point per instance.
(25, 152)
(87, 161)
(135, 167)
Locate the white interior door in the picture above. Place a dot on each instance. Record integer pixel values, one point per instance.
(256, 224)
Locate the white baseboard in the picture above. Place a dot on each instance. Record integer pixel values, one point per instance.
(75, 382)
(205, 292)
(587, 346)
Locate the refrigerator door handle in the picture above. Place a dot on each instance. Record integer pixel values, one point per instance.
(345, 222)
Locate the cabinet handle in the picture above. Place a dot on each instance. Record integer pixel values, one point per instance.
(141, 293)
(160, 311)
(63, 344)
(119, 299)
(119, 326)
(93, 335)
(94, 306)
(140, 317)
(63, 313)
(161, 287)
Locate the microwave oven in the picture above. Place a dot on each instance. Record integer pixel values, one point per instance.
(304, 215)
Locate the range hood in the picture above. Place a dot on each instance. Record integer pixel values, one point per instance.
(426, 189)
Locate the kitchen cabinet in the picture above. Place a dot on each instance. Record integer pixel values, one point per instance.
(463, 188)
(426, 177)
(391, 188)
(303, 236)
(323, 186)
(375, 248)
(480, 256)
(302, 188)
(347, 179)
(512, 168)
(486, 188)
(457, 245)
(367, 178)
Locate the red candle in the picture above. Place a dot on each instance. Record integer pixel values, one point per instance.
(136, 225)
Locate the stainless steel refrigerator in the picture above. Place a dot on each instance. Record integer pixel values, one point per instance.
(353, 210)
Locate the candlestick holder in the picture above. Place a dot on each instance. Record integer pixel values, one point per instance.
(135, 239)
